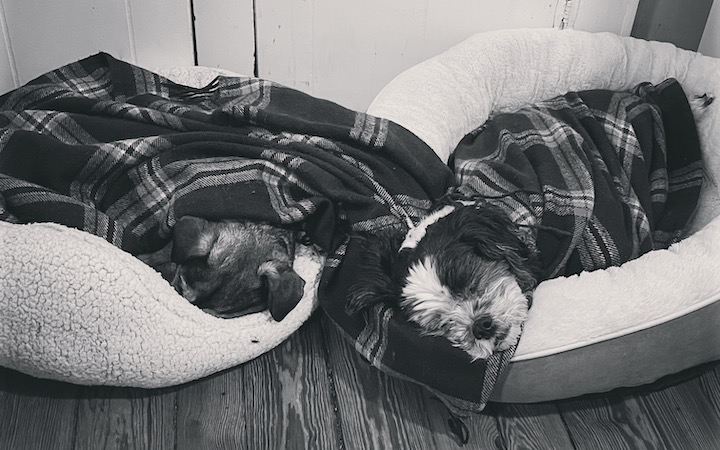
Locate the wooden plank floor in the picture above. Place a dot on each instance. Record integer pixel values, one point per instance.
(314, 391)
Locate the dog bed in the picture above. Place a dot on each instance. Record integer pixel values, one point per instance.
(121, 153)
(79, 309)
(618, 327)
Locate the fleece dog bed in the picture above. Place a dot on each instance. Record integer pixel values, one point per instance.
(618, 327)
(58, 324)
(121, 153)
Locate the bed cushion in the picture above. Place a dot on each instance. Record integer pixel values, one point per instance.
(78, 309)
(605, 329)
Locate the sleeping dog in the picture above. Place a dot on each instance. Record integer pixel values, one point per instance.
(465, 272)
(231, 268)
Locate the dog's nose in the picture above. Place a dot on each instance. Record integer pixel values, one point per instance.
(483, 327)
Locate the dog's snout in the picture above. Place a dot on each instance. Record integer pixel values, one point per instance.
(483, 327)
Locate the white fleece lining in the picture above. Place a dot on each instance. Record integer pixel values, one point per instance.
(610, 336)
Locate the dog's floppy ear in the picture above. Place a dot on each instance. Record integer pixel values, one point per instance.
(376, 279)
(284, 289)
(193, 237)
(495, 236)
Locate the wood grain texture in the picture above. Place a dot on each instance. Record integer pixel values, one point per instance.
(684, 416)
(211, 412)
(117, 418)
(314, 391)
(482, 428)
(621, 423)
(37, 414)
(288, 395)
(532, 426)
(375, 410)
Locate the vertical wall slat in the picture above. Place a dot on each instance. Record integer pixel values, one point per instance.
(8, 71)
(615, 16)
(346, 50)
(679, 22)
(285, 42)
(63, 32)
(161, 33)
(710, 42)
(45, 35)
(225, 34)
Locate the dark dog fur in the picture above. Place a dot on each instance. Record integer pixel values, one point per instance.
(481, 232)
(231, 268)
(469, 279)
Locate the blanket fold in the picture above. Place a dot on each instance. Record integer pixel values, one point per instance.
(599, 177)
(120, 152)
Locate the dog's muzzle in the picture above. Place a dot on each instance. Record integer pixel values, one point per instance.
(483, 328)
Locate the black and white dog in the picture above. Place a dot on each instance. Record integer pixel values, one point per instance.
(465, 272)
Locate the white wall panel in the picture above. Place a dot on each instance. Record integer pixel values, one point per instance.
(347, 50)
(710, 42)
(8, 74)
(225, 34)
(42, 35)
(161, 32)
(615, 16)
(47, 34)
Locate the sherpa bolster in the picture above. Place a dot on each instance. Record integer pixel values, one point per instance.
(76, 308)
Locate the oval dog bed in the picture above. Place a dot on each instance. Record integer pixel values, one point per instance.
(78, 309)
(618, 327)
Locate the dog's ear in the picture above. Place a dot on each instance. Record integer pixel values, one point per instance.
(283, 287)
(193, 237)
(377, 275)
(495, 236)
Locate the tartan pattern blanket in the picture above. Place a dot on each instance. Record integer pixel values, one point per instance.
(598, 177)
(120, 152)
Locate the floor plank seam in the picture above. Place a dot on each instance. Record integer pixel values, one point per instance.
(175, 420)
(74, 439)
(567, 428)
(331, 381)
(498, 429)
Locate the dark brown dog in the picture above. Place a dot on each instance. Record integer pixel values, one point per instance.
(231, 268)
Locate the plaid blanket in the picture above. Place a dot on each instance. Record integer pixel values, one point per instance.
(599, 177)
(120, 152)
